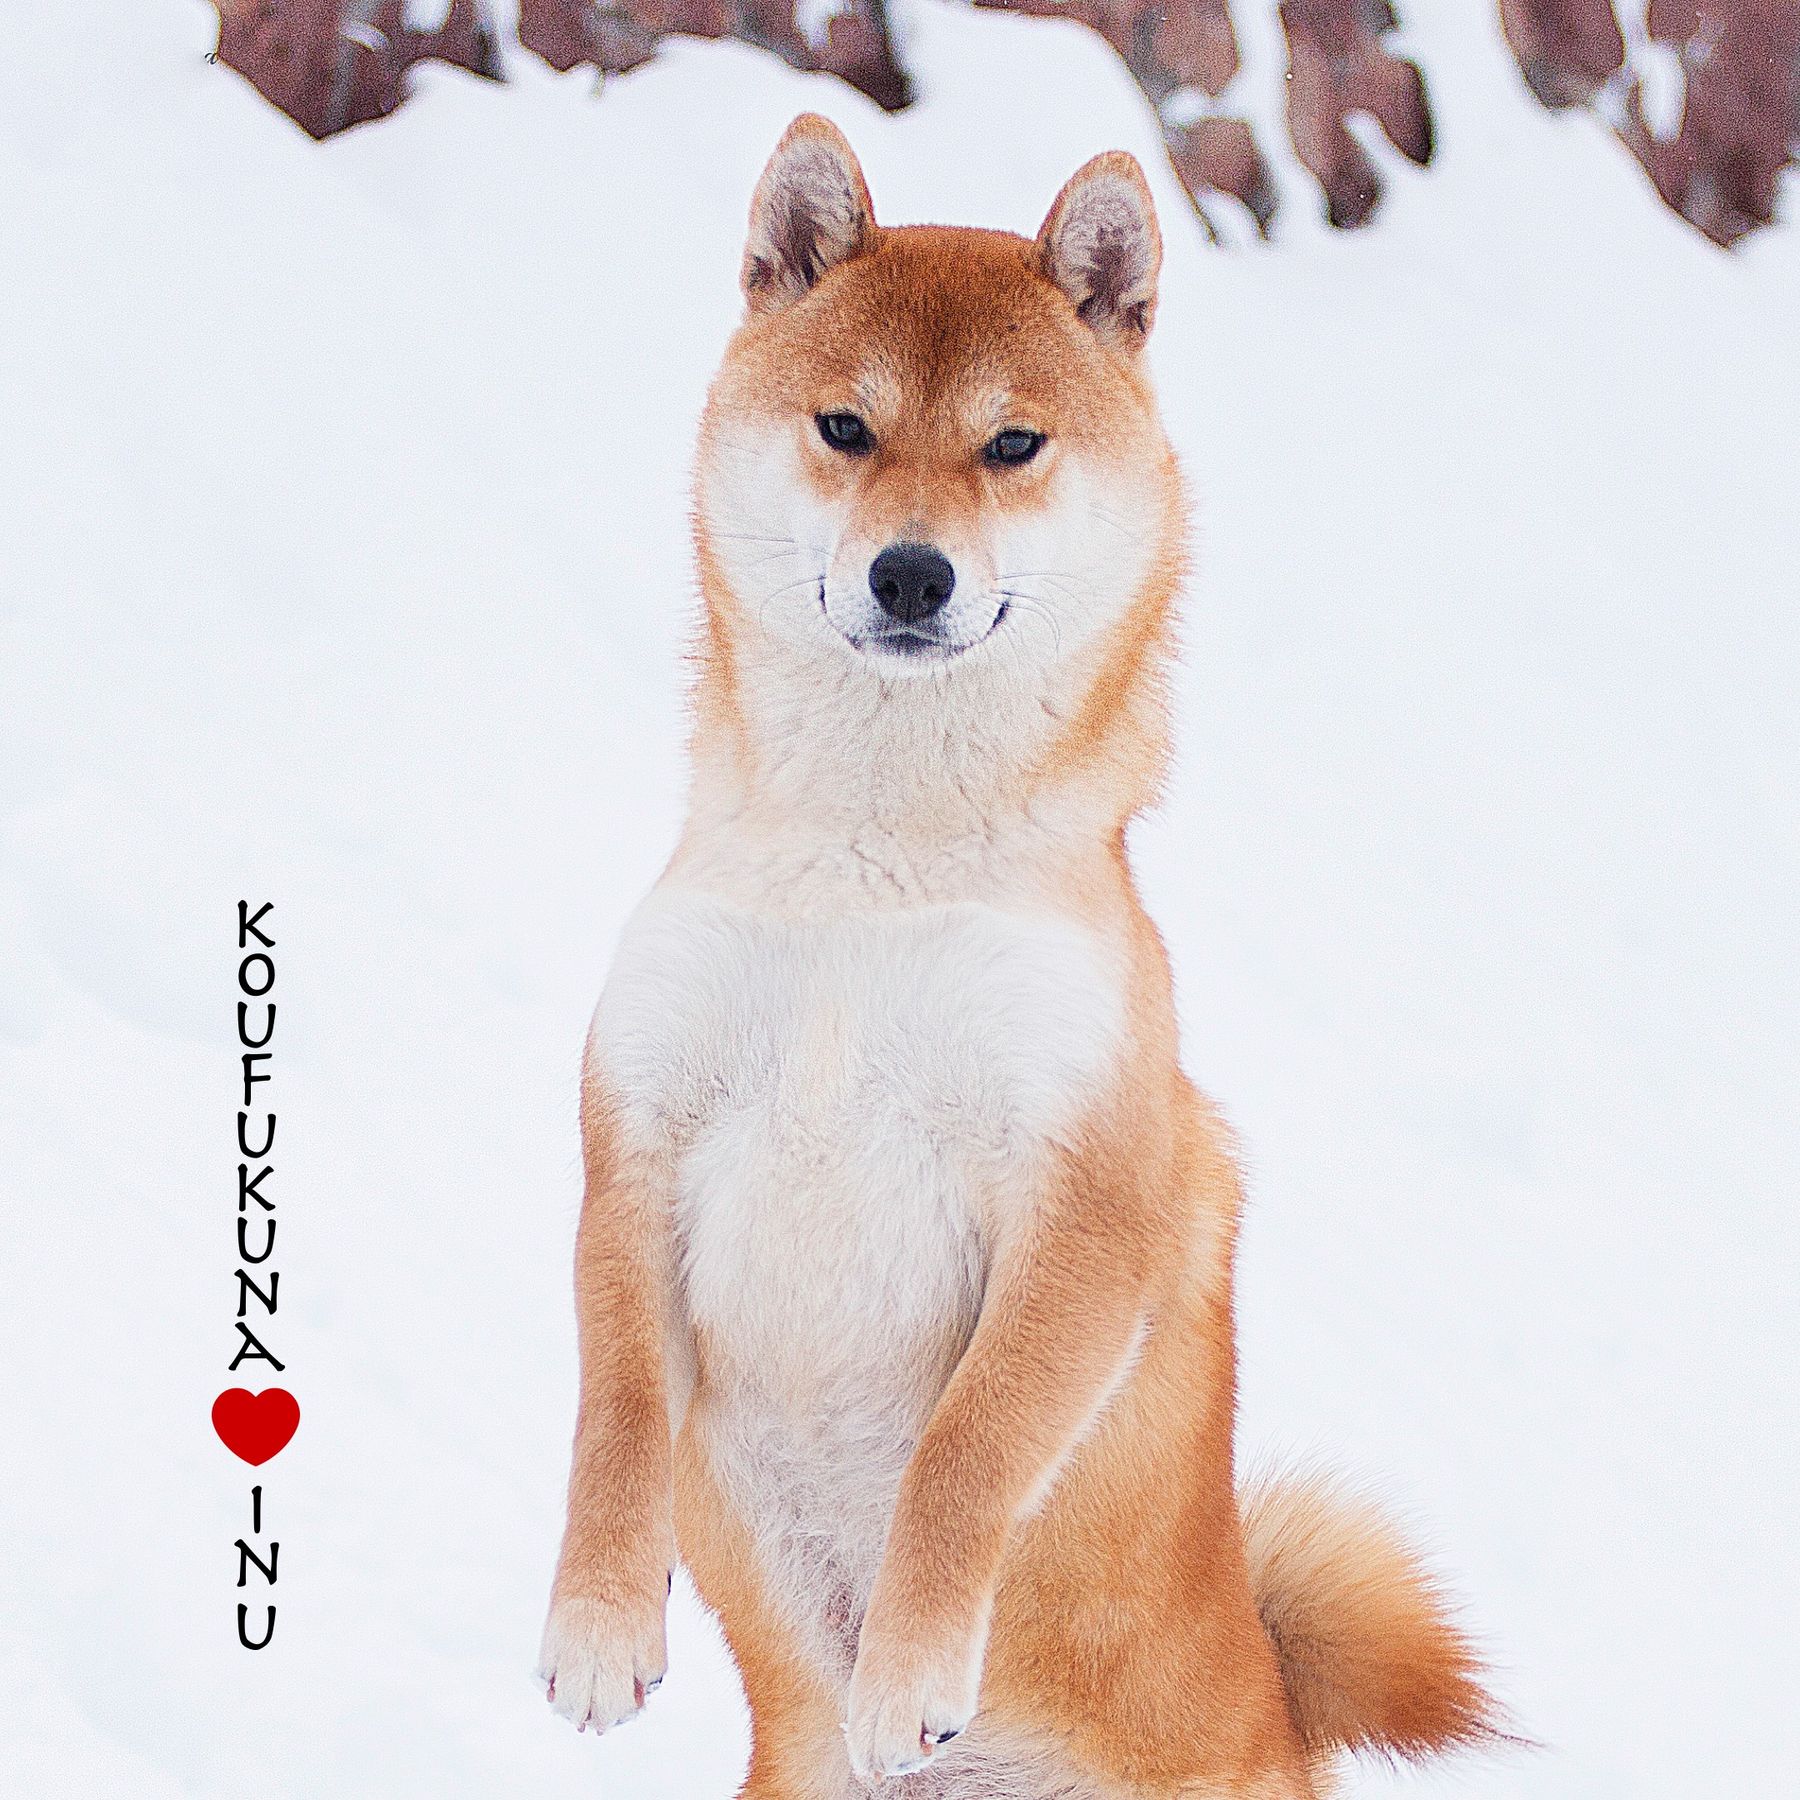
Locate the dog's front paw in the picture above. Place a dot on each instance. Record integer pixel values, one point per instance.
(906, 1700)
(600, 1660)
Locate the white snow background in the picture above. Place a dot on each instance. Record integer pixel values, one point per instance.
(343, 563)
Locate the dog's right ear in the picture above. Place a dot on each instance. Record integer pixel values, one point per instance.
(811, 212)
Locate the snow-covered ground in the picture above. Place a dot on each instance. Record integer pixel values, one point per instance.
(342, 563)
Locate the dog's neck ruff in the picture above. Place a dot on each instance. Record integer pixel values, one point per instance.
(923, 787)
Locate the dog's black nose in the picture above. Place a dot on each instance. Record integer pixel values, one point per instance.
(911, 581)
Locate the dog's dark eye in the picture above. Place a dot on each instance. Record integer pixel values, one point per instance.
(1014, 447)
(845, 432)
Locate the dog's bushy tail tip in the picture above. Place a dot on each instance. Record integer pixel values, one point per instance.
(1371, 1655)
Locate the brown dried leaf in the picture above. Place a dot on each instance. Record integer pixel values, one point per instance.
(1741, 125)
(1568, 49)
(1337, 65)
(330, 64)
(1741, 120)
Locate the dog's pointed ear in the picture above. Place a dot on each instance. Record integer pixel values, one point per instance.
(1100, 245)
(810, 212)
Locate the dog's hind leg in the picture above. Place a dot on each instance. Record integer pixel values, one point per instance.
(796, 1738)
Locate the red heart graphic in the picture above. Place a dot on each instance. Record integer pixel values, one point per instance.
(255, 1426)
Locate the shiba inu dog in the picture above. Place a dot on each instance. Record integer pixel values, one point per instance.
(904, 1270)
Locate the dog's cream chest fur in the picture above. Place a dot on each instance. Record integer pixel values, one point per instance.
(844, 1101)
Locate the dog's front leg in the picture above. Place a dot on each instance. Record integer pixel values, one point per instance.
(1058, 1327)
(603, 1648)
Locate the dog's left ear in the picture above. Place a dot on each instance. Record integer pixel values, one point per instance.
(810, 212)
(1100, 245)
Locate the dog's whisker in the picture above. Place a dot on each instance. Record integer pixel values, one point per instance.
(1069, 584)
(1106, 518)
(1033, 607)
(787, 587)
(756, 537)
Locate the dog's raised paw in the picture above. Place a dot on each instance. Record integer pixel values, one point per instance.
(599, 1661)
(899, 1718)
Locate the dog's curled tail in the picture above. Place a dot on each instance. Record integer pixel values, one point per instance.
(1370, 1654)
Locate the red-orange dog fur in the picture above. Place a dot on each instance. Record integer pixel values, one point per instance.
(905, 1266)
